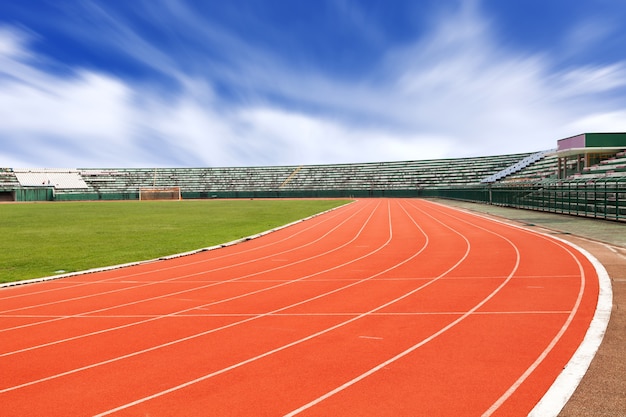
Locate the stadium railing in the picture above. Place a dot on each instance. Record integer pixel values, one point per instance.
(603, 198)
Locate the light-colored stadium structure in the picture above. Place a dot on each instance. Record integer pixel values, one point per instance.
(584, 175)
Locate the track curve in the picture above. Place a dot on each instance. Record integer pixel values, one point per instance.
(383, 307)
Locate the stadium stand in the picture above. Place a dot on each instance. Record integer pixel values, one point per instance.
(615, 166)
(8, 178)
(541, 170)
(305, 180)
(56, 178)
(584, 175)
(518, 166)
(8, 184)
(233, 182)
(332, 180)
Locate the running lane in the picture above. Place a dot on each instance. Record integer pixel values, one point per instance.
(383, 307)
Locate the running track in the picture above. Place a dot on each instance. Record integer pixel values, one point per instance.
(379, 308)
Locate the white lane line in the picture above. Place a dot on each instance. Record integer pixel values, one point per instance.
(174, 281)
(565, 384)
(237, 365)
(562, 389)
(423, 341)
(30, 348)
(178, 255)
(194, 336)
(174, 267)
(181, 386)
(338, 314)
(176, 278)
(533, 367)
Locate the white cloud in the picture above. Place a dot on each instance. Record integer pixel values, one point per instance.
(92, 119)
(11, 43)
(593, 79)
(88, 105)
(310, 140)
(52, 120)
(455, 92)
(462, 83)
(614, 121)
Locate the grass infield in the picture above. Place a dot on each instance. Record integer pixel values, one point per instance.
(52, 238)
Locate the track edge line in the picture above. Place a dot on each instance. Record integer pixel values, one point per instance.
(173, 256)
(568, 380)
(564, 386)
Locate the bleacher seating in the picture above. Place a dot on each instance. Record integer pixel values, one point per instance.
(8, 183)
(531, 160)
(359, 177)
(8, 180)
(545, 168)
(402, 175)
(57, 178)
(613, 167)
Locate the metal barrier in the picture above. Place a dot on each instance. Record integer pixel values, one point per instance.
(603, 198)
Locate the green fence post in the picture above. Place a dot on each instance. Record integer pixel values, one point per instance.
(617, 200)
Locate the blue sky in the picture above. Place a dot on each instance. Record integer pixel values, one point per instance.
(181, 83)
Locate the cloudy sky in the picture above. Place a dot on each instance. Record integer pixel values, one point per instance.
(182, 83)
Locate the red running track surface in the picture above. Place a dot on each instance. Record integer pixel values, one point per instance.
(382, 307)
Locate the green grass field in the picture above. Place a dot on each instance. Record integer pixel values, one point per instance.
(42, 239)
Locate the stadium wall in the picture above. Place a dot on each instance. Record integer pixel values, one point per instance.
(93, 196)
(33, 194)
(190, 195)
(303, 194)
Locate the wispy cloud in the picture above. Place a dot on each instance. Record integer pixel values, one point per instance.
(454, 91)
